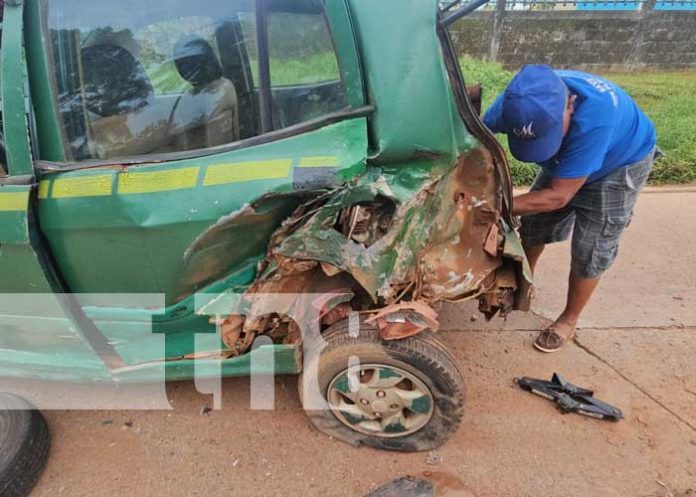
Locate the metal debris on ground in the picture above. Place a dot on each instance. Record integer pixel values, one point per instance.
(433, 458)
(570, 398)
(399, 321)
(428, 485)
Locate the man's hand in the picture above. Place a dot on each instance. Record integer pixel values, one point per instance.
(555, 197)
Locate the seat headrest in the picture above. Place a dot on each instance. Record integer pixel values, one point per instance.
(115, 81)
(196, 61)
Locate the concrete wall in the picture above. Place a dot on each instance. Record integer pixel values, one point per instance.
(591, 40)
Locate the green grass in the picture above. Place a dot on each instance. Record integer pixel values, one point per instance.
(669, 99)
(306, 70)
(299, 71)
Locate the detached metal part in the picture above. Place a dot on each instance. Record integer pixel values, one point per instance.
(430, 484)
(570, 398)
(404, 320)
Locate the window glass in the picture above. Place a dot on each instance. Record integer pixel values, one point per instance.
(151, 76)
(304, 70)
(138, 77)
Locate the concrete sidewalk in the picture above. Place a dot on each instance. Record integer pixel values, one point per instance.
(637, 349)
(652, 283)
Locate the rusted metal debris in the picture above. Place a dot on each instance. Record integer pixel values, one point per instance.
(404, 320)
(500, 296)
(492, 243)
(429, 484)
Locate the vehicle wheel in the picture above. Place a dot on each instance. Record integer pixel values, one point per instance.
(405, 395)
(24, 445)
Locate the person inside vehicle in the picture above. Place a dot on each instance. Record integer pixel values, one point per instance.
(595, 148)
(207, 114)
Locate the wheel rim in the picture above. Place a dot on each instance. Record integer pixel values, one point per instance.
(380, 400)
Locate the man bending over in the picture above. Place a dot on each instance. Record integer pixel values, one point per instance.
(595, 148)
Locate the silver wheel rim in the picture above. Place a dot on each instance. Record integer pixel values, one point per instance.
(380, 400)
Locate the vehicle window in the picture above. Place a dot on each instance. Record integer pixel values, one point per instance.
(139, 77)
(304, 70)
(151, 76)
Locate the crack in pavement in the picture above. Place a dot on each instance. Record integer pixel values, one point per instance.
(586, 324)
(589, 351)
(637, 328)
(638, 387)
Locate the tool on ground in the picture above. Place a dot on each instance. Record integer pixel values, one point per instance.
(570, 398)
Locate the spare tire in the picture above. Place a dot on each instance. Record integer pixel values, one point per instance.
(24, 445)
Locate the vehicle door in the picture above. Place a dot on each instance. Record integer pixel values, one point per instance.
(39, 335)
(165, 117)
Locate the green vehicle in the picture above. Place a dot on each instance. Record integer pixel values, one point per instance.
(209, 152)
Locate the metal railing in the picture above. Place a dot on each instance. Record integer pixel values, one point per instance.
(545, 5)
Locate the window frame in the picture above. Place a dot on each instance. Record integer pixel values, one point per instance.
(469, 116)
(45, 69)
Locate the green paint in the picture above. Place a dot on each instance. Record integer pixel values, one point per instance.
(406, 79)
(48, 126)
(386, 373)
(13, 74)
(342, 384)
(347, 51)
(354, 420)
(284, 360)
(19, 265)
(395, 427)
(421, 405)
(148, 234)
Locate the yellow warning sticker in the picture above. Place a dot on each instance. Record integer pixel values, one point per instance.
(238, 172)
(82, 186)
(43, 189)
(157, 181)
(319, 161)
(14, 201)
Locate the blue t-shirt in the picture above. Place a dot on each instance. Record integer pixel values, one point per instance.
(607, 129)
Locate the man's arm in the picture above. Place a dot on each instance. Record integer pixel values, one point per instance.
(556, 196)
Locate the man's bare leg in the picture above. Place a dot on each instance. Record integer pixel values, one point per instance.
(579, 292)
(533, 253)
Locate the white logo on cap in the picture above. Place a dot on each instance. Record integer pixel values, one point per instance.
(525, 132)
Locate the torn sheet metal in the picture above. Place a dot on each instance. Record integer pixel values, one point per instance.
(404, 320)
(430, 484)
(436, 238)
(402, 244)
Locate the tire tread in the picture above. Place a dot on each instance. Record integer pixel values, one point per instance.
(19, 474)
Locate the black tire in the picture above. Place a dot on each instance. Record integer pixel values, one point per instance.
(421, 355)
(24, 446)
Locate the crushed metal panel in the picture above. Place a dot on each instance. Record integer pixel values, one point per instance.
(436, 237)
(441, 242)
(404, 320)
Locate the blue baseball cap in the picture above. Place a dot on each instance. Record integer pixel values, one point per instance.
(532, 113)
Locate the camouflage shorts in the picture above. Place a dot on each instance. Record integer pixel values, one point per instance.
(597, 216)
